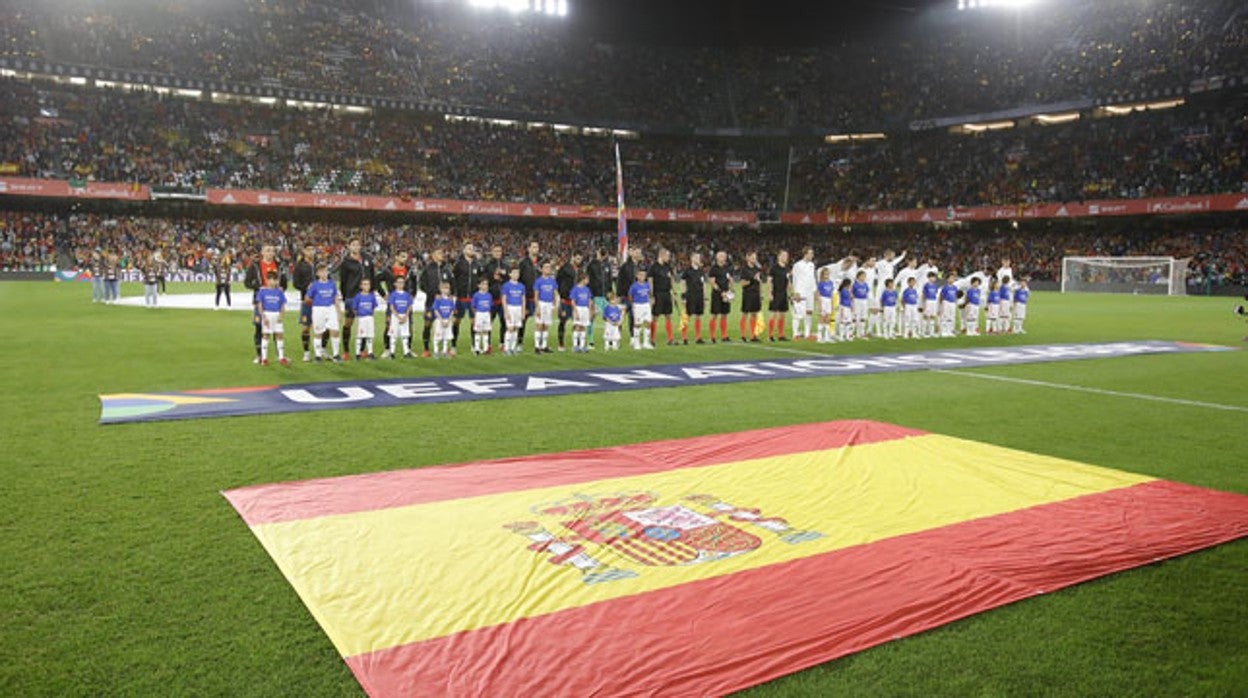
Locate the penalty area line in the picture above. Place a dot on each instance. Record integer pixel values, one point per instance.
(1096, 391)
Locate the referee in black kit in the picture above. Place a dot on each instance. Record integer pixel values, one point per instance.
(662, 280)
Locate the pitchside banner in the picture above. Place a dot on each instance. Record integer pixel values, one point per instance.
(700, 566)
(270, 399)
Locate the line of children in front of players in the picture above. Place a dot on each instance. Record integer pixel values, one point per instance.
(842, 301)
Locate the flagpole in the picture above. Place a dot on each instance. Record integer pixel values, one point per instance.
(621, 217)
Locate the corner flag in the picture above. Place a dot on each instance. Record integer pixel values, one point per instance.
(621, 219)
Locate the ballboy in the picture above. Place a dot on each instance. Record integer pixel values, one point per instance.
(482, 306)
(271, 303)
(612, 316)
(513, 311)
(443, 319)
(582, 312)
(326, 304)
(400, 330)
(363, 306)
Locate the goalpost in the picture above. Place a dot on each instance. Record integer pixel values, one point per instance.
(1134, 275)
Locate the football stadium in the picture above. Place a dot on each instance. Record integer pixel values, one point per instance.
(573, 347)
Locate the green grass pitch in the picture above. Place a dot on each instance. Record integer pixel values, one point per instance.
(126, 573)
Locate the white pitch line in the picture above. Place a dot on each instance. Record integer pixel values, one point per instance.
(1098, 391)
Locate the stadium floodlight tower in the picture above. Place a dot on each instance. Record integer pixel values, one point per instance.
(1134, 275)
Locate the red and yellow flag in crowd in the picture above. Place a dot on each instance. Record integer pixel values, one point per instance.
(701, 565)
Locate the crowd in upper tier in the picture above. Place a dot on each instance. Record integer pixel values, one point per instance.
(61, 132)
(942, 62)
(29, 239)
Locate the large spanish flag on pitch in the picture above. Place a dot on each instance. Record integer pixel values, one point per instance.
(703, 565)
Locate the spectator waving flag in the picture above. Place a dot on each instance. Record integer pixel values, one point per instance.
(622, 220)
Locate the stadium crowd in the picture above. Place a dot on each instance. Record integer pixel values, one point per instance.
(61, 132)
(1167, 153)
(939, 63)
(29, 239)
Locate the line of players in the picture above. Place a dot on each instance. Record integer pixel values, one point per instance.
(874, 299)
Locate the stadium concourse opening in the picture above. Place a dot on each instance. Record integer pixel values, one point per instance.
(817, 387)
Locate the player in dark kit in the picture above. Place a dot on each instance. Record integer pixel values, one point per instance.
(721, 295)
(694, 295)
(779, 305)
(599, 274)
(435, 273)
(662, 279)
(530, 269)
(305, 274)
(467, 271)
(566, 278)
(353, 269)
(257, 272)
(496, 270)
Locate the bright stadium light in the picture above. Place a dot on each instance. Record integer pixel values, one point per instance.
(1062, 118)
(985, 4)
(550, 8)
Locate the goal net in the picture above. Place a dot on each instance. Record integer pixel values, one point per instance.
(1135, 275)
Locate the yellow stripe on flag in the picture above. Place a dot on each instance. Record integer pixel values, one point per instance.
(382, 578)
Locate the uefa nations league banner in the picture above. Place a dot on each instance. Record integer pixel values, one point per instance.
(390, 392)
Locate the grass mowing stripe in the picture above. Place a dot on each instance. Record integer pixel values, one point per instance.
(1086, 389)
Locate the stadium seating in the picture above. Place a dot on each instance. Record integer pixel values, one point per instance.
(942, 63)
(60, 132)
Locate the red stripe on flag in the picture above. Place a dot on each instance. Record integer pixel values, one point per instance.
(292, 501)
(720, 635)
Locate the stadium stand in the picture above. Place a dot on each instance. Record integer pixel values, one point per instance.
(546, 70)
(62, 132)
(30, 240)
(943, 63)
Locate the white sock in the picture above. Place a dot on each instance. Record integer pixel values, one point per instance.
(264, 347)
(281, 347)
(336, 344)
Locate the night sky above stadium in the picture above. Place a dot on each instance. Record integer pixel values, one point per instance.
(740, 22)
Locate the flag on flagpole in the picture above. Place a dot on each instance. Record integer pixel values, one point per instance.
(621, 218)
